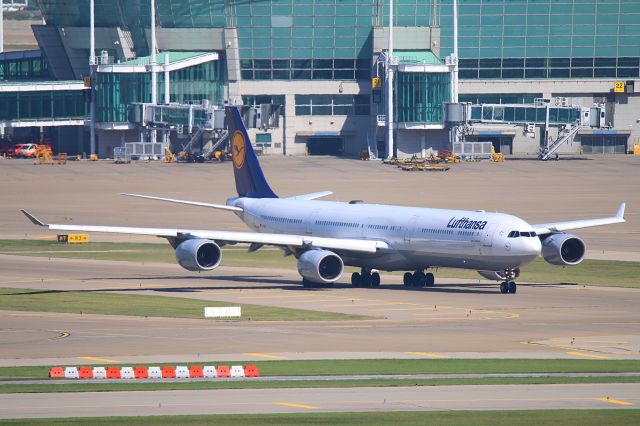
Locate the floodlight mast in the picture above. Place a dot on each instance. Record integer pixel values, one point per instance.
(1, 26)
(390, 84)
(92, 65)
(154, 75)
(455, 52)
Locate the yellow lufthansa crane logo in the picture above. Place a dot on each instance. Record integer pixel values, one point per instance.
(238, 149)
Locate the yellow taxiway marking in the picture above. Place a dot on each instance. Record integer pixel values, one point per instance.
(61, 335)
(288, 404)
(264, 355)
(614, 401)
(90, 358)
(587, 355)
(427, 354)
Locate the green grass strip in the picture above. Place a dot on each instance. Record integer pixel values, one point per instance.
(589, 272)
(391, 366)
(97, 302)
(408, 418)
(105, 386)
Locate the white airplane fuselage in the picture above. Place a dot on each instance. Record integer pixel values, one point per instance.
(420, 237)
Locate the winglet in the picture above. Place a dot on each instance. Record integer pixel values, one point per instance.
(620, 212)
(33, 219)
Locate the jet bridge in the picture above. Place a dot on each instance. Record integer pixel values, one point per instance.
(198, 129)
(553, 122)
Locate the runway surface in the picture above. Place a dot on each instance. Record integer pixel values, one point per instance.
(489, 397)
(454, 319)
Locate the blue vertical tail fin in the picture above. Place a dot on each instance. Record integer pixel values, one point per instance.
(250, 181)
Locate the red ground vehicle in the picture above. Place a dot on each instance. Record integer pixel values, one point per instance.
(28, 150)
(15, 151)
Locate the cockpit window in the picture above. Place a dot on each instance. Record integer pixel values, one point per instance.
(516, 234)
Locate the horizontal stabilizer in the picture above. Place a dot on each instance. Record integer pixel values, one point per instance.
(189, 203)
(312, 196)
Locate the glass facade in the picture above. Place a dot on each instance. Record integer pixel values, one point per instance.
(419, 96)
(117, 91)
(508, 98)
(332, 39)
(29, 65)
(332, 105)
(524, 114)
(47, 105)
(545, 38)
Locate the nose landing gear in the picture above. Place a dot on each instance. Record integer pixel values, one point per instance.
(509, 286)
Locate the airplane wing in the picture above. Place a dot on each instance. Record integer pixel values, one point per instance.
(290, 240)
(191, 203)
(312, 196)
(549, 228)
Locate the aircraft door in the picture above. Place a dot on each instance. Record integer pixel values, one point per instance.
(487, 235)
(310, 222)
(409, 229)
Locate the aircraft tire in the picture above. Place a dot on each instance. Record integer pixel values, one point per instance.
(367, 280)
(418, 279)
(430, 280)
(356, 279)
(308, 284)
(512, 287)
(504, 287)
(375, 279)
(407, 279)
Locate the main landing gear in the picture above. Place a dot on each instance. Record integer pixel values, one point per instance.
(365, 279)
(418, 279)
(509, 286)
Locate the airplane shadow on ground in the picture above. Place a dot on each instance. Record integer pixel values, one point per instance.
(274, 282)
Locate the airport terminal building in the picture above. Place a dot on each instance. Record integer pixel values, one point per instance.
(534, 75)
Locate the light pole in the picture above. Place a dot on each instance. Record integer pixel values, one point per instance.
(1, 26)
(455, 52)
(390, 85)
(92, 74)
(154, 75)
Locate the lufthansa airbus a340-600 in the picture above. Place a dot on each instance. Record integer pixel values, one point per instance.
(324, 236)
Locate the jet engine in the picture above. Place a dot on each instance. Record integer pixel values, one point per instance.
(563, 249)
(198, 255)
(320, 266)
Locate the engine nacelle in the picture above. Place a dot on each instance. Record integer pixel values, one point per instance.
(563, 249)
(198, 255)
(320, 266)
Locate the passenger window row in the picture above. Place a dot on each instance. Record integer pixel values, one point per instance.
(342, 224)
(281, 219)
(437, 231)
